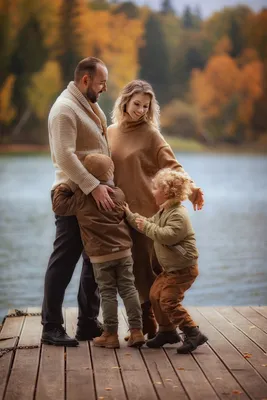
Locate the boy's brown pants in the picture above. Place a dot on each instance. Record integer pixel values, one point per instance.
(166, 295)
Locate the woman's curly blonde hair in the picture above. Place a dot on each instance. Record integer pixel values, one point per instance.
(132, 88)
(176, 185)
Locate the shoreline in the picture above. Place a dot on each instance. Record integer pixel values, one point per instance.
(177, 145)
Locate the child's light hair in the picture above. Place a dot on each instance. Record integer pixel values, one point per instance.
(176, 185)
(132, 88)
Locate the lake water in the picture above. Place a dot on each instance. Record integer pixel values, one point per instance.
(231, 230)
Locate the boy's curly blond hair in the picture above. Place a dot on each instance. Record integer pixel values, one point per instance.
(176, 185)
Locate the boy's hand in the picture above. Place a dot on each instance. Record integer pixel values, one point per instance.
(140, 222)
(126, 207)
(197, 198)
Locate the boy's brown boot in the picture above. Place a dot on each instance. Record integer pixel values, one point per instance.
(136, 338)
(107, 339)
(193, 339)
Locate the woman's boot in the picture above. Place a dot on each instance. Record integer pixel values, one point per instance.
(149, 321)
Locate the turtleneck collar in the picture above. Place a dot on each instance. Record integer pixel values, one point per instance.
(128, 124)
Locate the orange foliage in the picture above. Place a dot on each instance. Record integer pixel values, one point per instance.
(214, 87)
(251, 88)
(222, 82)
(256, 32)
(7, 111)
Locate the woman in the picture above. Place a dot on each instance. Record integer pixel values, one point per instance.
(139, 151)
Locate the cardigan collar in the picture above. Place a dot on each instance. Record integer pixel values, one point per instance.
(93, 109)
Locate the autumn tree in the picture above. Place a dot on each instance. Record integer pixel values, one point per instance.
(231, 23)
(226, 94)
(213, 90)
(257, 37)
(128, 8)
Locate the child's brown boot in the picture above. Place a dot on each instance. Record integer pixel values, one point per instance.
(136, 338)
(107, 339)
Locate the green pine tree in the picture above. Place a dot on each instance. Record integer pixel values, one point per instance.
(69, 39)
(154, 60)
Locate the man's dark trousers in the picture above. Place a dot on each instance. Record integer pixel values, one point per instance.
(68, 248)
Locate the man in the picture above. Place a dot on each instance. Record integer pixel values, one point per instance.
(77, 127)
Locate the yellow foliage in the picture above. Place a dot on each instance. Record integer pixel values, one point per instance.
(114, 39)
(45, 11)
(44, 87)
(7, 111)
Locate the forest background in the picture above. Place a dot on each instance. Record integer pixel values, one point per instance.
(209, 75)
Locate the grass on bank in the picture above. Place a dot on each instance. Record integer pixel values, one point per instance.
(178, 144)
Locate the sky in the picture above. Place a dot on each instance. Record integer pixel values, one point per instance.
(207, 6)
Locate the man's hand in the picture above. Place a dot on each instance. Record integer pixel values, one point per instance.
(102, 198)
(140, 222)
(197, 198)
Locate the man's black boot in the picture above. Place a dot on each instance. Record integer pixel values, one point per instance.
(162, 338)
(57, 336)
(193, 339)
(90, 330)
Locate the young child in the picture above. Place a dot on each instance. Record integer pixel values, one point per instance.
(175, 246)
(107, 242)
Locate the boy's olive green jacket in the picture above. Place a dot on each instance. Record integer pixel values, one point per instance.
(173, 235)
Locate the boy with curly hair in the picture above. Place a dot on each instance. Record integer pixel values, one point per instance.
(175, 246)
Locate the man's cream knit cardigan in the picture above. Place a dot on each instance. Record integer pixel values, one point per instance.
(76, 128)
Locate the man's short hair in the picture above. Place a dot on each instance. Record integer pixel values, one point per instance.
(87, 66)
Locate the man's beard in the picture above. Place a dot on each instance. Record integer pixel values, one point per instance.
(91, 95)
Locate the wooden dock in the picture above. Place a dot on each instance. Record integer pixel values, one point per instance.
(232, 365)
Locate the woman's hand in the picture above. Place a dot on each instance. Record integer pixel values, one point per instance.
(197, 198)
(140, 222)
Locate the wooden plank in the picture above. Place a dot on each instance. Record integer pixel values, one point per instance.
(11, 331)
(254, 317)
(221, 334)
(79, 372)
(160, 372)
(253, 332)
(8, 339)
(51, 374)
(5, 366)
(261, 310)
(214, 369)
(134, 373)
(21, 385)
(108, 379)
(191, 376)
